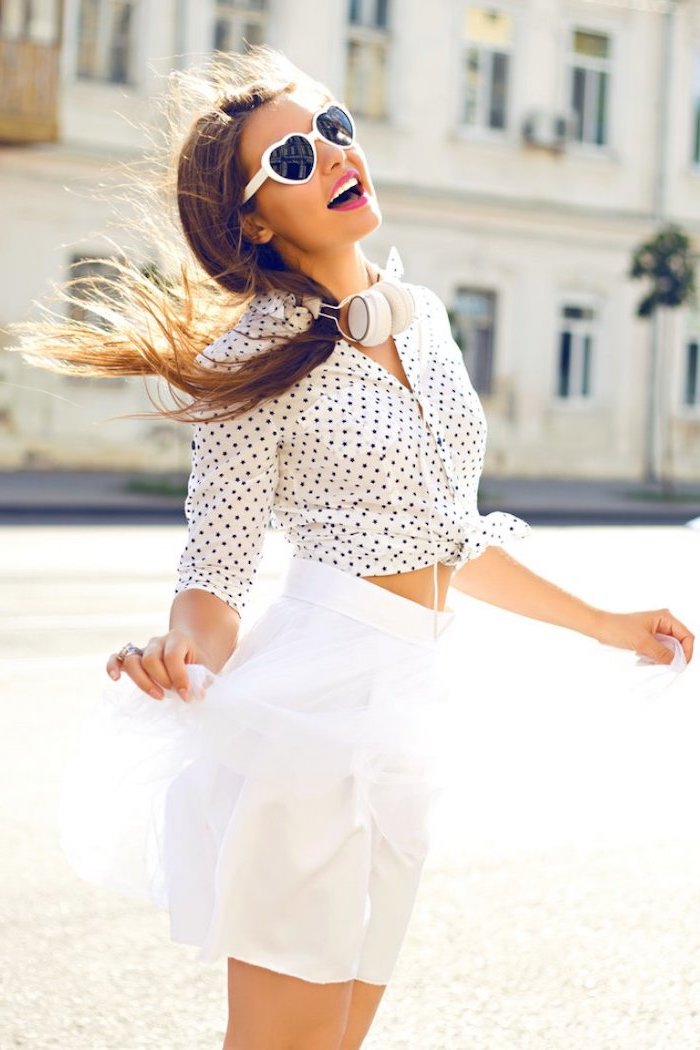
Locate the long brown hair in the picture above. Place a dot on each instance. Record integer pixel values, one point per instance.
(185, 195)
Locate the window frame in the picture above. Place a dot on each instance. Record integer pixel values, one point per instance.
(364, 5)
(27, 30)
(73, 260)
(492, 294)
(691, 407)
(690, 334)
(695, 106)
(613, 32)
(367, 36)
(481, 131)
(239, 15)
(584, 300)
(103, 45)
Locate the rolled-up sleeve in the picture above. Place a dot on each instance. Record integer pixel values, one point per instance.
(230, 495)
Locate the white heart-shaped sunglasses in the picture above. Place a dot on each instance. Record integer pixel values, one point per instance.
(292, 159)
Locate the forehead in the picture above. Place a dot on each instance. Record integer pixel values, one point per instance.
(275, 119)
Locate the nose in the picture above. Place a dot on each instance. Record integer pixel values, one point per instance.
(329, 154)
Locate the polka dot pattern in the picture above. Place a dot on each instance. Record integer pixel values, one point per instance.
(356, 469)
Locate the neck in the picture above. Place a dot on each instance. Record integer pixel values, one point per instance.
(343, 271)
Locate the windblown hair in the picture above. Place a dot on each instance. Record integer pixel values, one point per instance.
(186, 192)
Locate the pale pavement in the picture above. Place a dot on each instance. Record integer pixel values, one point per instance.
(560, 906)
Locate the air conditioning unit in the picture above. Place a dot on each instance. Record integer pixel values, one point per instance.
(548, 130)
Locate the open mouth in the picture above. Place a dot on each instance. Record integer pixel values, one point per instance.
(354, 191)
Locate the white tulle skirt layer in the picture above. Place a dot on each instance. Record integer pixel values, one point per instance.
(283, 816)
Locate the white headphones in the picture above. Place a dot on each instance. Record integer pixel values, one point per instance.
(385, 309)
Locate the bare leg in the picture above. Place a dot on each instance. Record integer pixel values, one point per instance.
(363, 1007)
(273, 1011)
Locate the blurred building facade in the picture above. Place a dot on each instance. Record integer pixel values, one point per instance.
(521, 149)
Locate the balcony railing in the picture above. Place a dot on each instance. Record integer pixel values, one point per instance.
(29, 89)
(30, 52)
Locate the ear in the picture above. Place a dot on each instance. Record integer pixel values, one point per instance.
(256, 230)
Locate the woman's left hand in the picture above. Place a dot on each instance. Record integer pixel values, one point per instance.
(636, 631)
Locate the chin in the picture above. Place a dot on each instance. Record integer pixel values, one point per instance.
(357, 231)
(372, 218)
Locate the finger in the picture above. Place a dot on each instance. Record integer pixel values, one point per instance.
(655, 651)
(685, 637)
(152, 663)
(677, 629)
(174, 653)
(113, 666)
(132, 665)
(155, 669)
(688, 644)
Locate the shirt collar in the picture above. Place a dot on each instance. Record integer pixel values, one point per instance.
(394, 266)
(283, 305)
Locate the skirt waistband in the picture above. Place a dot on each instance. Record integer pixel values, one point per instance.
(323, 584)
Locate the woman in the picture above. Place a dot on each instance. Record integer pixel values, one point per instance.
(280, 812)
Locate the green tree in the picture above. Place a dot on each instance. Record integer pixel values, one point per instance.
(668, 263)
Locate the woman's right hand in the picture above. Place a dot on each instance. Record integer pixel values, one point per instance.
(161, 666)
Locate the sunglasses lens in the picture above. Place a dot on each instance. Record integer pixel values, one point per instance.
(335, 124)
(294, 160)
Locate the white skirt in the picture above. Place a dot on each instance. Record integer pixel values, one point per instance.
(283, 817)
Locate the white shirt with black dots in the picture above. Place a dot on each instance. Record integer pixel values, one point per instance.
(342, 462)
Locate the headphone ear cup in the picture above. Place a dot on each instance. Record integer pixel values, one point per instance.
(401, 303)
(369, 318)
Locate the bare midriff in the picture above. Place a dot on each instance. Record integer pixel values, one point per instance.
(417, 585)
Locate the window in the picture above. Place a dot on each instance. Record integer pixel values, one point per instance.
(577, 332)
(369, 12)
(36, 20)
(589, 85)
(691, 376)
(86, 266)
(83, 267)
(488, 34)
(367, 57)
(106, 48)
(696, 110)
(473, 320)
(238, 23)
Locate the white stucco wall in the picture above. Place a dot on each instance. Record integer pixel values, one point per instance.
(464, 208)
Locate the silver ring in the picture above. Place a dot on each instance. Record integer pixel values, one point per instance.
(127, 650)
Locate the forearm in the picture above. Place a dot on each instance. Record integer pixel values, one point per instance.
(211, 624)
(498, 579)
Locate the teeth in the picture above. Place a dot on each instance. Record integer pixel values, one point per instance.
(352, 181)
